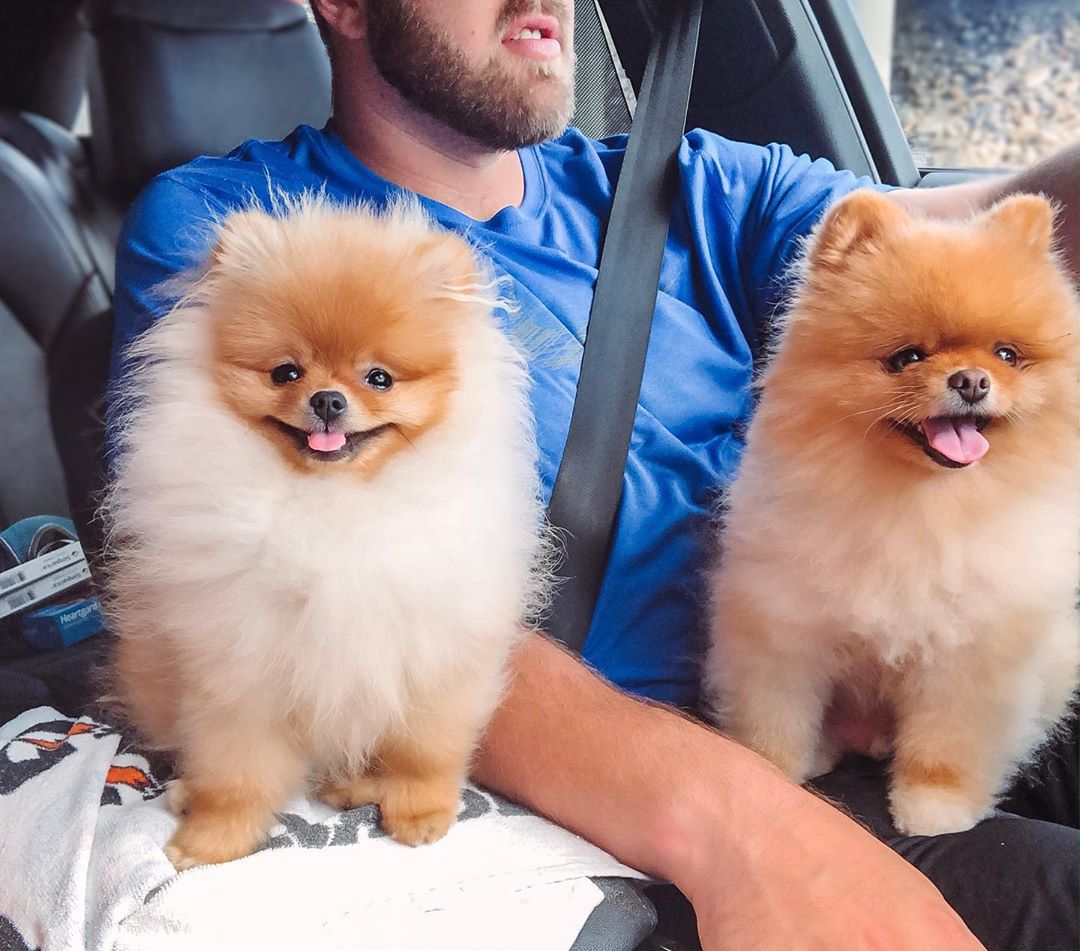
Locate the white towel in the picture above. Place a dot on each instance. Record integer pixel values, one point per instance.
(82, 827)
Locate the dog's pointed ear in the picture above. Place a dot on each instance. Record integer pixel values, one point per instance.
(243, 234)
(858, 222)
(1028, 217)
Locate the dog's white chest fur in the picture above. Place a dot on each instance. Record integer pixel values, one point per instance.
(935, 578)
(908, 580)
(334, 600)
(953, 610)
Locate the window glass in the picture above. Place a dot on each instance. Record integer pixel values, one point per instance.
(979, 83)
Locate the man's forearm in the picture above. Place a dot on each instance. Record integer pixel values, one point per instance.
(1057, 177)
(637, 779)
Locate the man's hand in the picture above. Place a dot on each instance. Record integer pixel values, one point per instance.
(766, 864)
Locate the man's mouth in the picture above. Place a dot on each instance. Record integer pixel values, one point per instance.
(327, 445)
(951, 441)
(534, 36)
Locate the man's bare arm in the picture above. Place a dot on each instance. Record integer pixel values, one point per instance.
(1057, 177)
(591, 743)
(766, 864)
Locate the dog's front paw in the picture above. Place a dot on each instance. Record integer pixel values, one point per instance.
(932, 810)
(208, 836)
(194, 846)
(190, 847)
(418, 811)
(419, 829)
(182, 860)
(186, 851)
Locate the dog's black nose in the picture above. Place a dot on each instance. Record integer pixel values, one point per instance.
(972, 385)
(328, 404)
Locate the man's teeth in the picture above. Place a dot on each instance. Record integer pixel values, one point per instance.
(527, 34)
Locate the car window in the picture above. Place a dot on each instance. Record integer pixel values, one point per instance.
(979, 83)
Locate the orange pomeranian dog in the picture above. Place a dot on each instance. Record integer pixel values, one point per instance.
(325, 530)
(902, 537)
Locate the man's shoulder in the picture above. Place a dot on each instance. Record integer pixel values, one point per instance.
(248, 174)
(574, 150)
(173, 219)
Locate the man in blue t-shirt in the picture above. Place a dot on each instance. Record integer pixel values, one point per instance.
(465, 105)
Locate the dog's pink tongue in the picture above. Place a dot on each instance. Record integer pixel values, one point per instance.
(325, 442)
(956, 439)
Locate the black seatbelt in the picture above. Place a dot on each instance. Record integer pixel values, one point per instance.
(585, 498)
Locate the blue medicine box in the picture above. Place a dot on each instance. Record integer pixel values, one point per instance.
(61, 625)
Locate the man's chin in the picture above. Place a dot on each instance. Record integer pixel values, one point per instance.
(545, 118)
(521, 135)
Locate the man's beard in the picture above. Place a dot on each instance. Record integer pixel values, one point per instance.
(491, 105)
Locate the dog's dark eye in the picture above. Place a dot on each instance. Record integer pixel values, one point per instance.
(378, 379)
(1007, 355)
(905, 357)
(286, 373)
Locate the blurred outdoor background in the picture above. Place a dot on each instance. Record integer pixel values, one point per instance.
(981, 83)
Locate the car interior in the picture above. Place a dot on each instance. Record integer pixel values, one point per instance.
(166, 82)
(163, 82)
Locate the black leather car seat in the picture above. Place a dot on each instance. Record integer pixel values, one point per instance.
(55, 279)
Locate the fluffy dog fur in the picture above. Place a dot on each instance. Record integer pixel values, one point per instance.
(867, 572)
(297, 599)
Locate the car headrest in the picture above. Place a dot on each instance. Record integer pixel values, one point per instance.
(172, 81)
(43, 50)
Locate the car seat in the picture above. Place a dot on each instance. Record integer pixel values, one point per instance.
(167, 82)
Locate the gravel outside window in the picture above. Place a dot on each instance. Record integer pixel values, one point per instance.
(986, 83)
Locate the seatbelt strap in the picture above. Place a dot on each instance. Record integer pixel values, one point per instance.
(588, 487)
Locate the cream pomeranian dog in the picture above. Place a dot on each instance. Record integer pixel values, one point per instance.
(901, 541)
(325, 532)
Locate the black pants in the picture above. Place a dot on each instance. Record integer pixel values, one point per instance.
(1014, 878)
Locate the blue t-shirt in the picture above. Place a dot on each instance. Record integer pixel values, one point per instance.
(738, 218)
